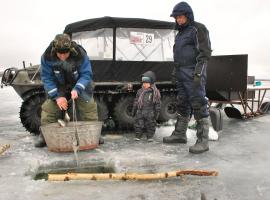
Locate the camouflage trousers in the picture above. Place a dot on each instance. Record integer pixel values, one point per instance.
(87, 111)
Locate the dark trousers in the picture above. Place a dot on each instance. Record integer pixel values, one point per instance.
(191, 99)
(145, 119)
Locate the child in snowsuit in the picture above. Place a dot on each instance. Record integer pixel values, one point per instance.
(146, 107)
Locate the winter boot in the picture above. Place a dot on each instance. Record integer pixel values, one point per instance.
(40, 142)
(201, 144)
(138, 136)
(179, 133)
(149, 137)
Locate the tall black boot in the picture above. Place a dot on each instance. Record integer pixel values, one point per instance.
(40, 141)
(201, 144)
(179, 133)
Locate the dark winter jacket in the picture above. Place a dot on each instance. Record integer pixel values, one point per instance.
(60, 77)
(149, 102)
(192, 43)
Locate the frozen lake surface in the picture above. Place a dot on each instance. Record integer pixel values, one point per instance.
(241, 156)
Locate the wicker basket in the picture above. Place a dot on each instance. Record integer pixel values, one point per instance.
(60, 139)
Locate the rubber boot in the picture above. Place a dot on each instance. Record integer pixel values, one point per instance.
(138, 136)
(201, 144)
(149, 137)
(179, 133)
(40, 142)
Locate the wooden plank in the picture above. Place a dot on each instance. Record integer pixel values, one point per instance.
(4, 148)
(128, 176)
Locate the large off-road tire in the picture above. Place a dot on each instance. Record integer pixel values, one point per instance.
(168, 108)
(31, 110)
(123, 113)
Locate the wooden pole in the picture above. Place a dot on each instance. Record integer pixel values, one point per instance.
(4, 148)
(128, 176)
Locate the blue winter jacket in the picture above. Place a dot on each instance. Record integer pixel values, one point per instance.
(60, 77)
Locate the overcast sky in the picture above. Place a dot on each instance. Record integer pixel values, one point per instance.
(235, 26)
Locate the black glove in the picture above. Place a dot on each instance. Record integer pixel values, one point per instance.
(198, 74)
(197, 81)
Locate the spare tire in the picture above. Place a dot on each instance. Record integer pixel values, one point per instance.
(216, 118)
(123, 112)
(31, 110)
(265, 107)
(168, 108)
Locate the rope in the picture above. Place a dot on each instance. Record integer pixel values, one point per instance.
(77, 141)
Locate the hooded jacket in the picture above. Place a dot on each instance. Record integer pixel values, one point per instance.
(148, 99)
(60, 77)
(151, 75)
(192, 43)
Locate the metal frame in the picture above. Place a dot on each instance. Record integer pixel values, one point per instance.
(250, 100)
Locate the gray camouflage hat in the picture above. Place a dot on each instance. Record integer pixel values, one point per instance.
(62, 43)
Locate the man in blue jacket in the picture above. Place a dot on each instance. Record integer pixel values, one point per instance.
(192, 50)
(66, 74)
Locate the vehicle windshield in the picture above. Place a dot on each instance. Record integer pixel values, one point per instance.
(132, 44)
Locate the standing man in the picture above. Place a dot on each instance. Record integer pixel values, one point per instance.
(192, 50)
(66, 74)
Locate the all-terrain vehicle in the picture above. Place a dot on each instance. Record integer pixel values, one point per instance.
(120, 50)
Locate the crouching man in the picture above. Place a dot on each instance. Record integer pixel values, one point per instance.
(67, 75)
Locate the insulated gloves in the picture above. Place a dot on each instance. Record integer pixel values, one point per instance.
(197, 81)
(198, 74)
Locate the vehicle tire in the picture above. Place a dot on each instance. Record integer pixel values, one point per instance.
(168, 108)
(31, 110)
(265, 107)
(102, 108)
(123, 113)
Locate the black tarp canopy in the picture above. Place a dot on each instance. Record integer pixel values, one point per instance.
(114, 70)
(113, 22)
